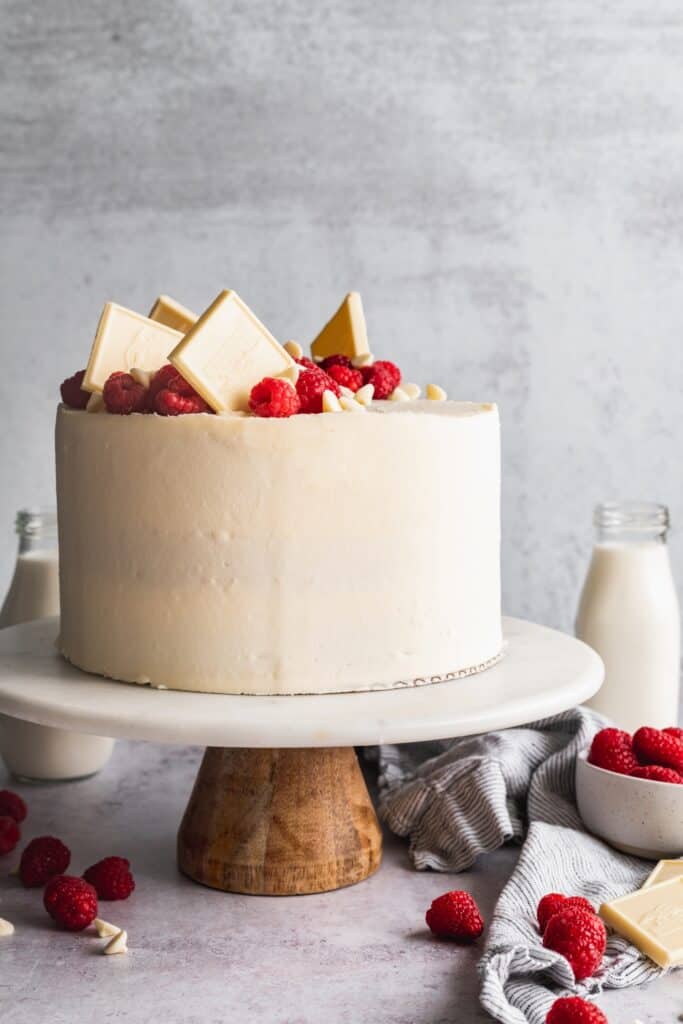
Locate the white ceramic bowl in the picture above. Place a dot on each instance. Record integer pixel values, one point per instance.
(638, 816)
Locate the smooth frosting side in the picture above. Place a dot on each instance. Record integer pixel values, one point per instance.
(316, 554)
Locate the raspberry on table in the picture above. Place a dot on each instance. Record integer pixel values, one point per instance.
(12, 804)
(73, 393)
(170, 402)
(123, 395)
(337, 360)
(71, 902)
(580, 937)
(455, 915)
(111, 878)
(657, 773)
(553, 902)
(346, 376)
(383, 375)
(43, 858)
(310, 387)
(612, 749)
(10, 834)
(574, 1010)
(274, 397)
(654, 746)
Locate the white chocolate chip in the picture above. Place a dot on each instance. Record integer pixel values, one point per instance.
(294, 349)
(291, 374)
(104, 929)
(143, 377)
(367, 359)
(365, 394)
(119, 944)
(435, 393)
(95, 403)
(350, 405)
(412, 390)
(398, 395)
(13, 872)
(346, 392)
(6, 928)
(330, 402)
(318, 359)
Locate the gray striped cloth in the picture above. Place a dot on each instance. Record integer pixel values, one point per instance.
(457, 799)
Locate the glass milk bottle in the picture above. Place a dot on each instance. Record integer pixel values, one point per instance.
(629, 614)
(36, 753)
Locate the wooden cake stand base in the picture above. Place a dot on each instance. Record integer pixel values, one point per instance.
(279, 805)
(279, 822)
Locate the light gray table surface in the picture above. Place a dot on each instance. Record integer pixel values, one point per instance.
(202, 957)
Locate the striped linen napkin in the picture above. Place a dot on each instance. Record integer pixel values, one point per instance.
(457, 799)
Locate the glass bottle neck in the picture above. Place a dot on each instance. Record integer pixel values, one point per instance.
(631, 523)
(37, 530)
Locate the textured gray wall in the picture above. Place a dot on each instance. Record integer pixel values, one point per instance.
(501, 179)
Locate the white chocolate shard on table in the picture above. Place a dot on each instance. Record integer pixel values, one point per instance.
(227, 352)
(345, 334)
(664, 872)
(652, 919)
(125, 340)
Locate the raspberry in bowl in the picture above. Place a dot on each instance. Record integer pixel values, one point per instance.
(629, 792)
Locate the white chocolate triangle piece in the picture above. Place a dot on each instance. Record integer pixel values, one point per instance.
(104, 929)
(125, 339)
(6, 928)
(294, 349)
(351, 405)
(435, 393)
(167, 311)
(365, 394)
(346, 333)
(227, 352)
(331, 402)
(119, 944)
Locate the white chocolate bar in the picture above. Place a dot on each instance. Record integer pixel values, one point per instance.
(167, 311)
(124, 340)
(345, 334)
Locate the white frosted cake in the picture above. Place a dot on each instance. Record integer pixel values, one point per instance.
(273, 554)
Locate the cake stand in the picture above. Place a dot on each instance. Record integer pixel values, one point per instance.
(279, 805)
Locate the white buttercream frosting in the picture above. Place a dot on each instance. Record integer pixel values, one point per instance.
(234, 554)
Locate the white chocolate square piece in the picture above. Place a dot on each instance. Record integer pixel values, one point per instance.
(167, 311)
(664, 872)
(345, 334)
(227, 352)
(652, 919)
(125, 340)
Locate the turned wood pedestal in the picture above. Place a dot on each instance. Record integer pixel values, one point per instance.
(279, 822)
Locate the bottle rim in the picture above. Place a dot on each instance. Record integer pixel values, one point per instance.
(631, 515)
(36, 519)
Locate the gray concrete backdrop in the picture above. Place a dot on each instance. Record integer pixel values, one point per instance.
(501, 179)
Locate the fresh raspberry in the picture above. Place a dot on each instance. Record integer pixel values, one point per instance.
(612, 749)
(338, 360)
(656, 747)
(160, 380)
(307, 363)
(310, 387)
(383, 375)
(72, 393)
(657, 773)
(673, 730)
(553, 902)
(274, 397)
(43, 858)
(455, 915)
(580, 937)
(346, 376)
(574, 1010)
(170, 402)
(111, 878)
(71, 902)
(123, 395)
(12, 804)
(9, 834)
